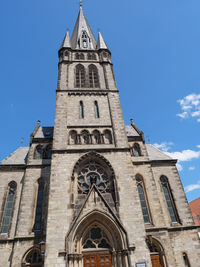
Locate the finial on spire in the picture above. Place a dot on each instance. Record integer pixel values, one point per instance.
(81, 3)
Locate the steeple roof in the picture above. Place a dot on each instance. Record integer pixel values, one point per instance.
(101, 43)
(82, 37)
(66, 42)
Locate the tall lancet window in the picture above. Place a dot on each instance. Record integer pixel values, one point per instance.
(80, 76)
(93, 77)
(169, 199)
(9, 205)
(39, 208)
(81, 110)
(96, 107)
(143, 200)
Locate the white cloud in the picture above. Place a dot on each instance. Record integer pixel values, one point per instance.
(179, 166)
(185, 155)
(191, 168)
(181, 156)
(190, 107)
(164, 146)
(192, 187)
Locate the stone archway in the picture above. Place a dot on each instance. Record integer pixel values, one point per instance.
(156, 252)
(97, 241)
(33, 258)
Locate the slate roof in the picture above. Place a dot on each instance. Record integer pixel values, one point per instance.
(130, 131)
(44, 132)
(18, 157)
(155, 154)
(82, 25)
(101, 43)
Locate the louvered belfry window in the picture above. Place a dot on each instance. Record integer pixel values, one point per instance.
(80, 76)
(93, 77)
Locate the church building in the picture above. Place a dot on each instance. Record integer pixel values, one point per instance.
(88, 191)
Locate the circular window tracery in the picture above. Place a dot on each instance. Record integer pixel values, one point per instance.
(92, 173)
(97, 239)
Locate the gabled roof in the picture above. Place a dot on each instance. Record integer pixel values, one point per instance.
(130, 131)
(101, 43)
(44, 132)
(155, 154)
(18, 157)
(80, 26)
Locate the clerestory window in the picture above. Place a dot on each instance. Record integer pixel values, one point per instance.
(8, 209)
(96, 107)
(143, 200)
(169, 199)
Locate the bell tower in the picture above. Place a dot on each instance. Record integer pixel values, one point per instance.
(91, 171)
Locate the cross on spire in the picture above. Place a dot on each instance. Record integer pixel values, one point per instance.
(81, 3)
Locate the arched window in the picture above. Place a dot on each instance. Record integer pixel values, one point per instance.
(80, 76)
(107, 137)
(34, 258)
(96, 107)
(156, 252)
(186, 260)
(66, 53)
(91, 56)
(81, 56)
(96, 137)
(8, 208)
(93, 77)
(39, 207)
(73, 138)
(143, 200)
(85, 137)
(81, 110)
(169, 199)
(38, 152)
(136, 150)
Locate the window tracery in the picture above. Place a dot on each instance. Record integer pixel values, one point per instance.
(96, 239)
(93, 173)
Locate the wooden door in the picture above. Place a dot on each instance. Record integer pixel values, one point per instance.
(155, 260)
(97, 260)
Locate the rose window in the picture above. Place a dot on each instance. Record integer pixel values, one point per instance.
(96, 238)
(91, 174)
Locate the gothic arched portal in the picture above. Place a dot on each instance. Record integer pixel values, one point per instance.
(97, 240)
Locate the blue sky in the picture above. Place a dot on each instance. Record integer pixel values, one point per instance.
(156, 56)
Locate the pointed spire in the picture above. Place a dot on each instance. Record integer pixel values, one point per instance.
(82, 37)
(66, 42)
(101, 43)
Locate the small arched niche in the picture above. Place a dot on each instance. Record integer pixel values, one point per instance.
(96, 137)
(107, 137)
(73, 140)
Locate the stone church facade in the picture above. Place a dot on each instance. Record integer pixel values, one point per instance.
(89, 191)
